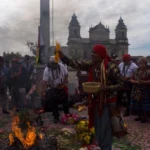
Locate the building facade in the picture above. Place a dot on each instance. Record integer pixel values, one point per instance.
(80, 48)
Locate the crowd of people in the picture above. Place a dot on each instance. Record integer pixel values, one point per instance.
(136, 79)
(116, 79)
(15, 76)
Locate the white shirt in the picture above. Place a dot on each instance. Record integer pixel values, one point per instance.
(54, 81)
(66, 67)
(83, 72)
(129, 70)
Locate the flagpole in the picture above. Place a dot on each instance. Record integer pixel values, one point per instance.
(38, 48)
(52, 22)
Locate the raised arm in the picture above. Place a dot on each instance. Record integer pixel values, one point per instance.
(75, 64)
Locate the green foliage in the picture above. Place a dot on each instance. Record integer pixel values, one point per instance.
(124, 144)
(3, 123)
(10, 56)
(33, 47)
(65, 141)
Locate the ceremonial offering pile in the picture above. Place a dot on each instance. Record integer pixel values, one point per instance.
(85, 135)
(69, 119)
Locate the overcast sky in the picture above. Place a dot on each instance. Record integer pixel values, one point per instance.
(19, 20)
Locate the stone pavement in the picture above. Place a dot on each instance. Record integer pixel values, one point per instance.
(138, 133)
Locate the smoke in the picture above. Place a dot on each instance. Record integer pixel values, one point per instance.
(20, 19)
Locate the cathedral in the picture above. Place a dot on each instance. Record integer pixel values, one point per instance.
(80, 48)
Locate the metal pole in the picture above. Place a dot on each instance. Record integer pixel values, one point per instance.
(52, 22)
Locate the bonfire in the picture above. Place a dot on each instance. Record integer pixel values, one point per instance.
(24, 135)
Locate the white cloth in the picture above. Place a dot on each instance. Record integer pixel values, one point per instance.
(52, 59)
(47, 75)
(66, 67)
(83, 72)
(129, 69)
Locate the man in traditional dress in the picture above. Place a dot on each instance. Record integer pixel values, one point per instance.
(55, 75)
(107, 73)
(127, 69)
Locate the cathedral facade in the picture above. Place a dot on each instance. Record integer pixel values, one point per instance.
(80, 48)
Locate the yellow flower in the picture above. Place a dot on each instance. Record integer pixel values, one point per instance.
(82, 122)
(87, 139)
(92, 130)
(87, 122)
(125, 125)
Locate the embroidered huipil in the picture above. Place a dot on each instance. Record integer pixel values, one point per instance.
(113, 81)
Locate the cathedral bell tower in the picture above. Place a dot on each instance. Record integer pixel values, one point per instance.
(74, 28)
(121, 32)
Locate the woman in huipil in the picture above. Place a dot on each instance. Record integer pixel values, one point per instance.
(141, 91)
(107, 74)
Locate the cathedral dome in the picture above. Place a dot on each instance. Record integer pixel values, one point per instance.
(99, 33)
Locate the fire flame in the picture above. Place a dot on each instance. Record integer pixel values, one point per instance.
(57, 52)
(27, 140)
(41, 136)
(11, 138)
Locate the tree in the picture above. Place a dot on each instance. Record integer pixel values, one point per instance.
(32, 46)
(10, 56)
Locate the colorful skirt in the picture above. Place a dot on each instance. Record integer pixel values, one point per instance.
(142, 105)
